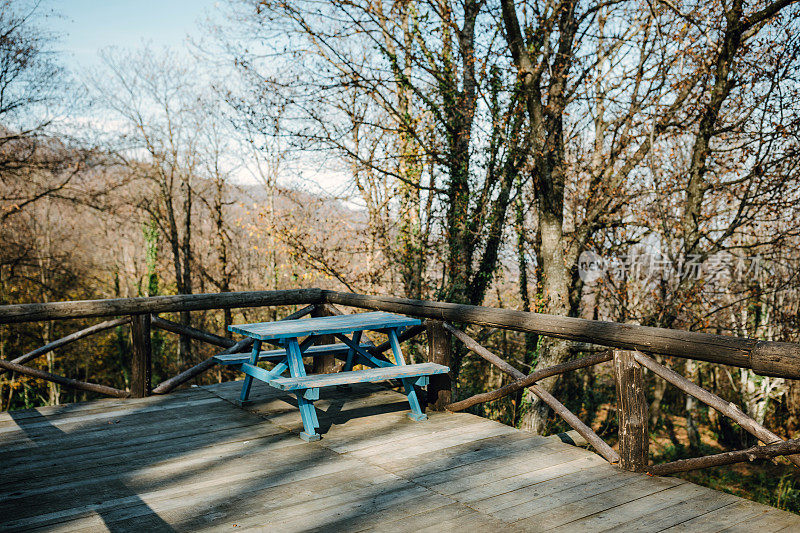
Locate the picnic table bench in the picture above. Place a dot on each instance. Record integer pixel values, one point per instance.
(287, 334)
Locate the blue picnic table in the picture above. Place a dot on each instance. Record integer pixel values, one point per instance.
(287, 335)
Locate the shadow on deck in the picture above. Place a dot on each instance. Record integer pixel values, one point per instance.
(193, 461)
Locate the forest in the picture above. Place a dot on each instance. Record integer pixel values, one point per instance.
(634, 161)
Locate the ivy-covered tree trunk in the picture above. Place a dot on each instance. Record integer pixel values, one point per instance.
(411, 239)
(546, 104)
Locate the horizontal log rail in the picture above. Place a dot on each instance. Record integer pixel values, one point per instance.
(585, 431)
(10, 314)
(780, 359)
(61, 380)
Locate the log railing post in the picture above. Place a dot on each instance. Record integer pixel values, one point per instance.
(634, 439)
(324, 364)
(142, 364)
(439, 392)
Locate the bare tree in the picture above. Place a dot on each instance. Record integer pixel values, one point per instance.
(155, 99)
(34, 90)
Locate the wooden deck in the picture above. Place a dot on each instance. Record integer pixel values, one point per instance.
(193, 461)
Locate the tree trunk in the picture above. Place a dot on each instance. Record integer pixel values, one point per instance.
(460, 115)
(410, 170)
(545, 106)
(692, 431)
(186, 249)
(659, 389)
(555, 287)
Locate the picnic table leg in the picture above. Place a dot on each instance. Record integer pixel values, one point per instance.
(309, 416)
(351, 357)
(416, 413)
(351, 353)
(305, 398)
(248, 380)
(395, 343)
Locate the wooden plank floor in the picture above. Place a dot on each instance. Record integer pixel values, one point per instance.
(193, 461)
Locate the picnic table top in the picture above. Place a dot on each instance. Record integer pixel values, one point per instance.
(323, 325)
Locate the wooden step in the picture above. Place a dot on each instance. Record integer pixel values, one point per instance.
(359, 376)
(274, 355)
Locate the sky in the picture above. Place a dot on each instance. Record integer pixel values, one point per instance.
(86, 26)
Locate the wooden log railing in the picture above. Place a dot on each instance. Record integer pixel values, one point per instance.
(768, 358)
(188, 331)
(142, 364)
(61, 380)
(10, 314)
(72, 337)
(628, 345)
(585, 431)
(712, 400)
(784, 448)
(634, 440)
(632, 410)
(137, 313)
